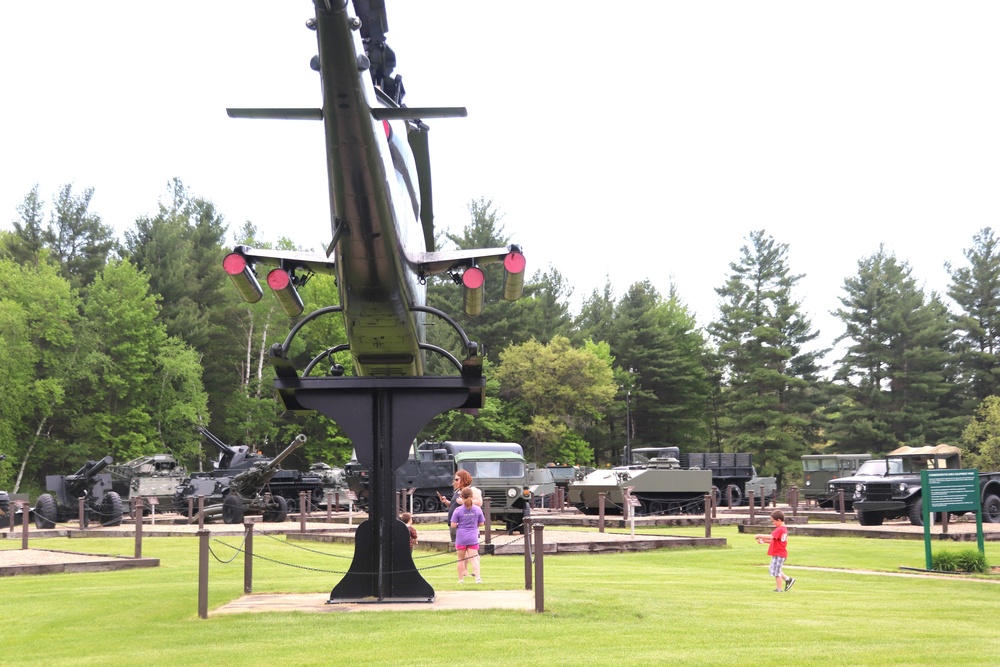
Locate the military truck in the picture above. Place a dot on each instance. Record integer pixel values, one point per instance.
(498, 470)
(819, 469)
(101, 503)
(890, 488)
(732, 473)
(154, 476)
(661, 486)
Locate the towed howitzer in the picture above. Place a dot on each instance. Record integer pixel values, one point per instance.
(247, 492)
(100, 501)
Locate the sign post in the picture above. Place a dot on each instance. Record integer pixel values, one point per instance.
(950, 491)
(631, 502)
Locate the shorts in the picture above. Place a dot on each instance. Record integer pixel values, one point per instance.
(776, 563)
(470, 547)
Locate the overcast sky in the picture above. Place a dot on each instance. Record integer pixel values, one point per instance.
(620, 140)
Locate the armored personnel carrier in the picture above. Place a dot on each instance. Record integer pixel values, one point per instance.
(661, 486)
(155, 476)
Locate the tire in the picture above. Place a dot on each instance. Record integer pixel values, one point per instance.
(111, 509)
(431, 504)
(870, 518)
(658, 507)
(232, 509)
(418, 504)
(991, 508)
(915, 511)
(46, 512)
(279, 513)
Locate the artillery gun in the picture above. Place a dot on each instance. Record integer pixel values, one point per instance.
(248, 492)
(101, 503)
(233, 460)
(156, 476)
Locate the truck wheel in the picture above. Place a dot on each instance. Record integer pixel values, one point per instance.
(45, 511)
(869, 518)
(915, 511)
(418, 504)
(232, 509)
(991, 508)
(111, 509)
(431, 504)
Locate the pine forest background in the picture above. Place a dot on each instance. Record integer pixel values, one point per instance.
(123, 346)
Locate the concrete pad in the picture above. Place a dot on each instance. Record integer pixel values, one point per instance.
(48, 561)
(316, 602)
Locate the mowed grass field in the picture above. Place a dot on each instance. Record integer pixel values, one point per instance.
(711, 606)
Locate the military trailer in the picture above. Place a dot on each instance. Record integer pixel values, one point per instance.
(101, 503)
(155, 476)
(661, 487)
(892, 488)
(819, 469)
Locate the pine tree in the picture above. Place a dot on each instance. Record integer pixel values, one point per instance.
(976, 290)
(769, 375)
(896, 372)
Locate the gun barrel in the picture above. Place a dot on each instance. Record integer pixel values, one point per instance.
(299, 440)
(91, 468)
(214, 439)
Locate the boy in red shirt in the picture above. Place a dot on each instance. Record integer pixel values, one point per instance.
(778, 551)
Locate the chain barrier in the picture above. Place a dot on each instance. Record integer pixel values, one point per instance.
(239, 549)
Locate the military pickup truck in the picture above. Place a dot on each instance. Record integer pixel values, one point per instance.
(890, 488)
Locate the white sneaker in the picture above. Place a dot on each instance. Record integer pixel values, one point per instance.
(478, 580)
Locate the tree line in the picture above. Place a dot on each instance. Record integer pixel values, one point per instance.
(125, 346)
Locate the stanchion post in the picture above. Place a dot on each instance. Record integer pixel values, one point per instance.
(840, 504)
(302, 511)
(248, 558)
(527, 553)
(137, 511)
(190, 508)
(202, 573)
(763, 499)
(600, 511)
(715, 505)
(708, 515)
(539, 568)
(488, 524)
(329, 505)
(729, 496)
(25, 511)
(201, 512)
(751, 505)
(794, 499)
(82, 510)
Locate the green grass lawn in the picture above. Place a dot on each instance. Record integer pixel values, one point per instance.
(666, 607)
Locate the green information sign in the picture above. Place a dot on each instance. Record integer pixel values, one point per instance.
(950, 491)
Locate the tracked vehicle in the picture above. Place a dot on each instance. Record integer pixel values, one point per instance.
(661, 486)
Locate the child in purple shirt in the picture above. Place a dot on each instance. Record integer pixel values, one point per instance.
(466, 521)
